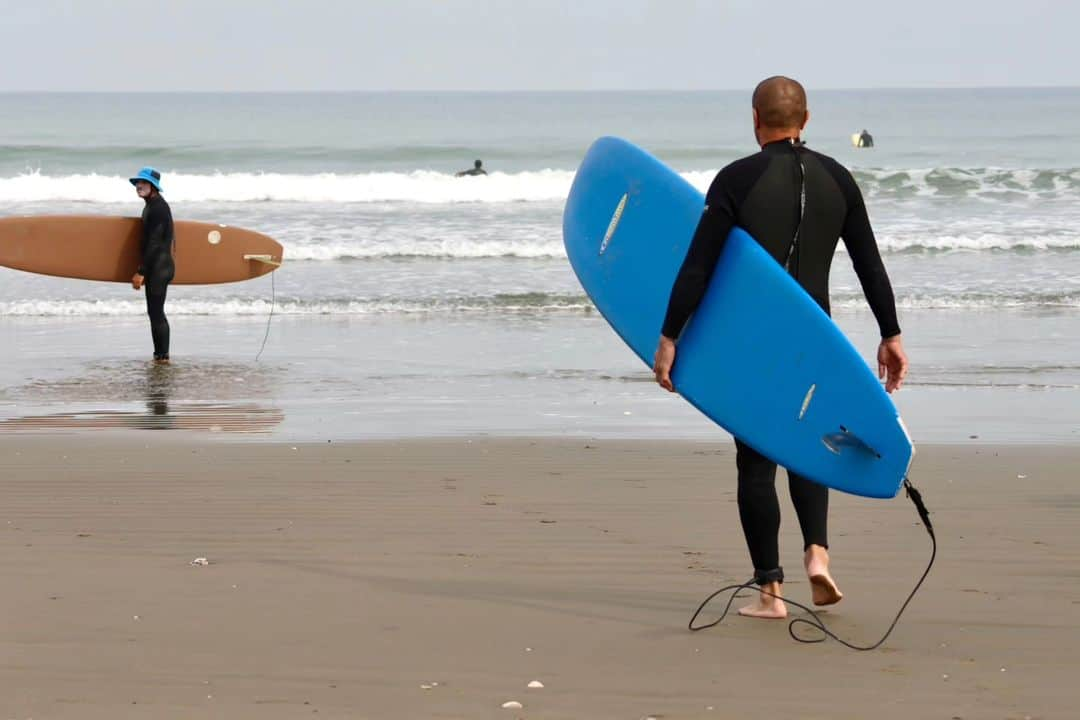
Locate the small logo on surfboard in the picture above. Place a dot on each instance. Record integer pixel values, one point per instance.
(615, 218)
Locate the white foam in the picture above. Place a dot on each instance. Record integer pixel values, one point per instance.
(901, 242)
(425, 186)
(989, 183)
(292, 306)
(437, 248)
(419, 187)
(843, 298)
(962, 302)
(552, 247)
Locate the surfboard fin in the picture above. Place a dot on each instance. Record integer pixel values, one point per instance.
(265, 259)
(836, 442)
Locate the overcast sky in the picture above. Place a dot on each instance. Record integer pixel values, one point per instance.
(251, 45)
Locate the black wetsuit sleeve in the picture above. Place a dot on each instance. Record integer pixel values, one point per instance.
(862, 247)
(716, 222)
(157, 262)
(155, 223)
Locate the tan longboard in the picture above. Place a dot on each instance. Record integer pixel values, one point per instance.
(95, 247)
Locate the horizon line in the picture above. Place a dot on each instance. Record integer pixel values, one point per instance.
(493, 91)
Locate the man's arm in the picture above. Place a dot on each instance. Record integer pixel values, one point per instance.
(862, 248)
(865, 257)
(693, 279)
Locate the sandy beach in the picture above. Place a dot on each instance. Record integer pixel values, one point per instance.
(438, 578)
(423, 469)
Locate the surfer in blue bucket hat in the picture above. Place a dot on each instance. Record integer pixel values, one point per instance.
(156, 268)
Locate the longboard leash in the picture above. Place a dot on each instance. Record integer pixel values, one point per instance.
(817, 623)
(273, 296)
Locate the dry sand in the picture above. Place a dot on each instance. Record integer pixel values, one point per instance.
(437, 578)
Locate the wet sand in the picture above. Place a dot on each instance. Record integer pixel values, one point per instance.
(437, 578)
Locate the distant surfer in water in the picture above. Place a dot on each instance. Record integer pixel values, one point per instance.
(156, 270)
(797, 203)
(864, 139)
(476, 169)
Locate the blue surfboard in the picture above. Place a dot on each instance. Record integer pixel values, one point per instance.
(759, 357)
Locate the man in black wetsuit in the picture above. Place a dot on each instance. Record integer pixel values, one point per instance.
(157, 269)
(474, 170)
(797, 203)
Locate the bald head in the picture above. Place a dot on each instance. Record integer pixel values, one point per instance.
(780, 103)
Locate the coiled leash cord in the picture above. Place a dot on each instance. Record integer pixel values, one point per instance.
(817, 623)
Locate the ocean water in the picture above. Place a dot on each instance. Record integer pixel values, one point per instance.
(413, 302)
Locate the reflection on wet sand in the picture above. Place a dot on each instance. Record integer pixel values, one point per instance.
(208, 418)
(158, 386)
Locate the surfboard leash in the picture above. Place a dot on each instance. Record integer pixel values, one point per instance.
(273, 296)
(817, 623)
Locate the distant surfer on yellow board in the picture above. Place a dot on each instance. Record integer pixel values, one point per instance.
(863, 139)
(156, 270)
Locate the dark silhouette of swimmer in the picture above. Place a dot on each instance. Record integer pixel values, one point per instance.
(865, 139)
(474, 170)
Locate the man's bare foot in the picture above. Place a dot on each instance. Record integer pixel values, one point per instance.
(823, 589)
(766, 606)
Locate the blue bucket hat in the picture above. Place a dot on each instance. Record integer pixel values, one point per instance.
(150, 175)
